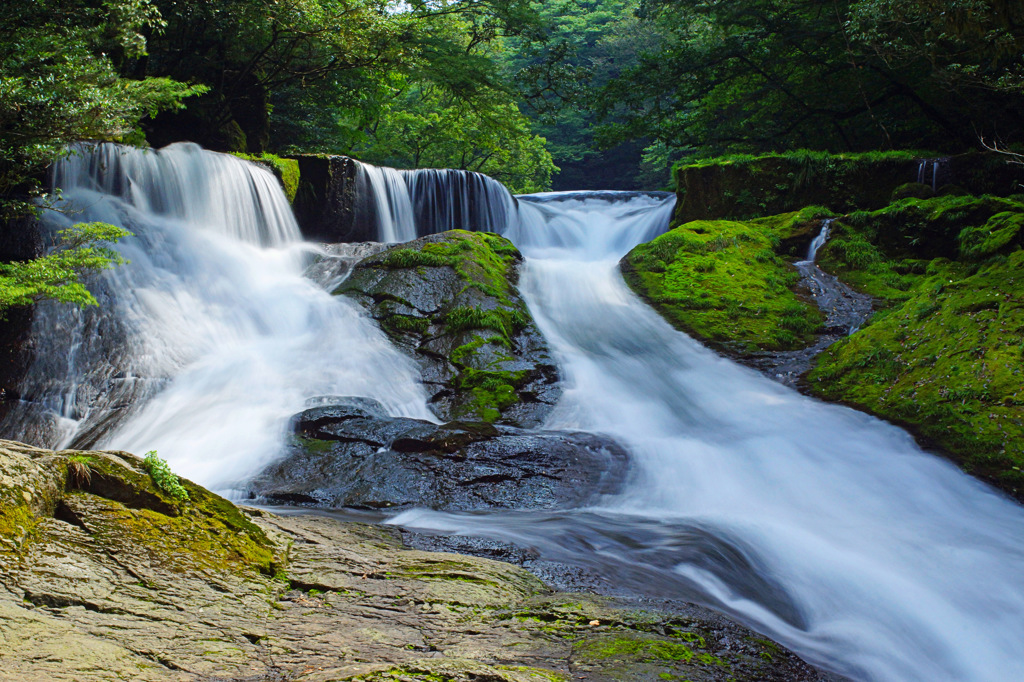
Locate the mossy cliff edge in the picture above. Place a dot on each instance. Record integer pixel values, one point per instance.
(943, 353)
(104, 575)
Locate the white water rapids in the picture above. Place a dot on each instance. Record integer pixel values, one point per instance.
(212, 338)
(826, 529)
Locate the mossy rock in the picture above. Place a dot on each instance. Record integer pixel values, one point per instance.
(450, 301)
(285, 170)
(944, 357)
(912, 190)
(740, 187)
(126, 508)
(723, 282)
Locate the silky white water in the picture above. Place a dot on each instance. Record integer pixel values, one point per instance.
(822, 527)
(215, 338)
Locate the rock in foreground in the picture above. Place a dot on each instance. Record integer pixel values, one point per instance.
(104, 576)
(354, 455)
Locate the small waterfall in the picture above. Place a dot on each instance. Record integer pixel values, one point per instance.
(392, 202)
(933, 171)
(447, 199)
(406, 204)
(819, 241)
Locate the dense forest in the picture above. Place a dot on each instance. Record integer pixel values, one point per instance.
(563, 95)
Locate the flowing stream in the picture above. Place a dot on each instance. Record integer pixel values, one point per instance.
(827, 530)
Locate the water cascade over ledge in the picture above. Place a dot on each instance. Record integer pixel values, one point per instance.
(827, 530)
(212, 338)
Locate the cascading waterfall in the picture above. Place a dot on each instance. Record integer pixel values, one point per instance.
(211, 339)
(822, 527)
(412, 203)
(396, 221)
(827, 529)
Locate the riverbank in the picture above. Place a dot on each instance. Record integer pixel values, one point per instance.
(942, 354)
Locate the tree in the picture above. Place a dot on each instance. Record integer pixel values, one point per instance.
(766, 75)
(59, 84)
(428, 126)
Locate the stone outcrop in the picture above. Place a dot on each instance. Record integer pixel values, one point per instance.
(103, 575)
(331, 203)
(449, 300)
(739, 188)
(354, 455)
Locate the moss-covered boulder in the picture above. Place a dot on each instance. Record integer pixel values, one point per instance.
(945, 356)
(450, 301)
(727, 283)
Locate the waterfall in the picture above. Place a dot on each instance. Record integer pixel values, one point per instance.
(412, 203)
(929, 171)
(207, 343)
(448, 199)
(826, 529)
(392, 202)
(819, 240)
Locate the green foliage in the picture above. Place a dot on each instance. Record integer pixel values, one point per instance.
(426, 126)
(60, 84)
(58, 274)
(163, 477)
(769, 75)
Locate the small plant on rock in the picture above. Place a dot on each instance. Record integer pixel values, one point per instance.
(79, 471)
(162, 475)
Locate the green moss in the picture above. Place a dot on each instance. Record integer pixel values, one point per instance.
(286, 170)
(949, 361)
(16, 522)
(722, 282)
(638, 649)
(202, 531)
(492, 391)
(1001, 233)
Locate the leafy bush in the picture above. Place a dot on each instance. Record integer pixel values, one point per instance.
(163, 477)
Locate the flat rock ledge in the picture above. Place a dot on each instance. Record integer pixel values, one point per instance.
(104, 576)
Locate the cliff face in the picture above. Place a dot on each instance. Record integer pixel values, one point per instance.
(743, 187)
(104, 575)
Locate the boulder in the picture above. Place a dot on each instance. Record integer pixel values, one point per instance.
(449, 300)
(352, 454)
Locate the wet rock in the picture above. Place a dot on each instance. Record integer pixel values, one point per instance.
(108, 588)
(331, 203)
(450, 301)
(354, 455)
